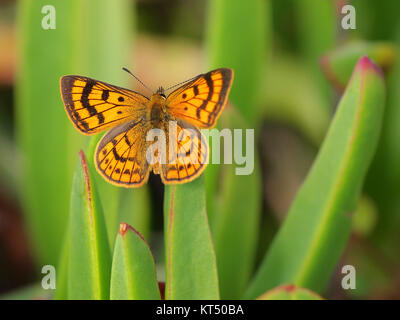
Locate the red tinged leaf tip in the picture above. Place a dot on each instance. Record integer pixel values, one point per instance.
(124, 227)
(288, 287)
(365, 64)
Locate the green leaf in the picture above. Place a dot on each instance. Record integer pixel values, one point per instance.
(245, 50)
(289, 292)
(338, 64)
(385, 169)
(314, 41)
(133, 273)
(314, 234)
(62, 271)
(191, 271)
(89, 252)
(235, 217)
(44, 132)
(248, 25)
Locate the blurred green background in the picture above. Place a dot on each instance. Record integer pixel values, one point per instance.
(280, 89)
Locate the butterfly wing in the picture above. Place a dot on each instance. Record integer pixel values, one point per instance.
(191, 155)
(94, 106)
(120, 155)
(200, 102)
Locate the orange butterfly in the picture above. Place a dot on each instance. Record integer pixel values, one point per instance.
(120, 157)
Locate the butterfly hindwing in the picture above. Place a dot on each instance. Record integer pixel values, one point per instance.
(94, 106)
(200, 102)
(189, 150)
(120, 156)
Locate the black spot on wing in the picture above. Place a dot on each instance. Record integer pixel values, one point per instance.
(105, 94)
(116, 155)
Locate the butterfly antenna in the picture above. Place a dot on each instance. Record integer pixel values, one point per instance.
(180, 83)
(125, 69)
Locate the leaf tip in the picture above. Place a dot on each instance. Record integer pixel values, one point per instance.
(124, 227)
(366, 64)
(288, 287)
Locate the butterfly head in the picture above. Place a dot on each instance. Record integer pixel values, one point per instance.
(160, 91)
(159, 96)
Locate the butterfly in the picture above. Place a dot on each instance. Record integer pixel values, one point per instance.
(121, 154)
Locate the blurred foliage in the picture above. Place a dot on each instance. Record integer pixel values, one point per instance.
(286, 54)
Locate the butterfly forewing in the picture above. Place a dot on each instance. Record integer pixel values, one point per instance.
(201, 101)
(94, 106)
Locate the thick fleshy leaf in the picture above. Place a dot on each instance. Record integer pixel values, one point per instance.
(62, 271)
(315, 232)
(89, 252)
(44, 133)
(235, 215)
(248, 24)
(245, 49)
(191, 271)
(316, 41)
(133, 273)
(385, 169)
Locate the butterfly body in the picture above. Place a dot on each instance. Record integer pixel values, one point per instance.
(121, 156)
(158, 110)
